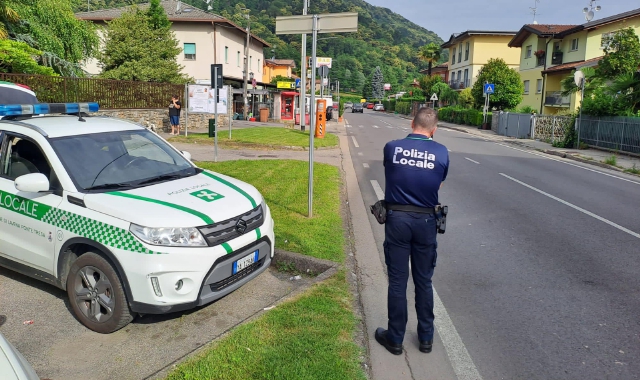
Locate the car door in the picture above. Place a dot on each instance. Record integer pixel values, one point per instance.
(25, 237)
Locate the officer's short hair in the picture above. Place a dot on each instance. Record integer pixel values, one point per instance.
(426, 118)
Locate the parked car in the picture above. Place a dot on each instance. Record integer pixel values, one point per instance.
(357, 108)
(348, 104)
(13, 366)
(370, 106)
(378, 107)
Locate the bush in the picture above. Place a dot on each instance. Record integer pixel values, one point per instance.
(525, 109)
(403, 107)
(389, 105)
(462, 116)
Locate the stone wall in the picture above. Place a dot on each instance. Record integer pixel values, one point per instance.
(160, 118)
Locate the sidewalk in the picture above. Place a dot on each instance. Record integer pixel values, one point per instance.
(591, 156)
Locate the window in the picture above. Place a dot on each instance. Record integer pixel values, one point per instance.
(526, 87)
(539, 86)
(529, 51)
(466, 77)
(574, 44)
(238, 58)
(466, 52)
(453, 77)
(226, 54)
(556, 46)
(261, 66)
(25, 157)
(189, 51)
(460, 52)
(606, 39)
(453, 56)
(459, 75)
(250, 61)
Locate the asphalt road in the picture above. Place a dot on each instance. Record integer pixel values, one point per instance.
(539, 267)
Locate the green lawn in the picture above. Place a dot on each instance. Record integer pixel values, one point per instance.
(284, 183)
(259, 138)
(307, 338)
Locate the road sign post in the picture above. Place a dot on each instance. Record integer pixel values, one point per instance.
(434, 99)
(346, 22)
(488, 90)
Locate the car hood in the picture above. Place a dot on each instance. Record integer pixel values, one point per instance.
(194, 201)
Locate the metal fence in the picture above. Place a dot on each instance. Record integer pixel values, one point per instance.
(110, 94)
(615, 133)
(516, 125)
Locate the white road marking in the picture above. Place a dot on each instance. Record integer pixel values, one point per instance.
(359, 153)
(461, 361)
(635, 234)
(365, 165)
(449, 150)
(348, 126)
(390, 127)
(475, 162)
(570, 164)
(355, 142)
(361, 126)
(378, 189)
(375, 126)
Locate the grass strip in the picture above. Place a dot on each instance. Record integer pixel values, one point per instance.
(307, 338)
(283, 183)
(259, 138)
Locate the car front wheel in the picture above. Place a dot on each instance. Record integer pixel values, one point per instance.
(96, 294)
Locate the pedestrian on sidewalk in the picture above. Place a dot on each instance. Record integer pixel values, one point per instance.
(174, 114)
(415, 168)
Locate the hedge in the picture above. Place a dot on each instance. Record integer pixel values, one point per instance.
(462, 116)
(403, 107)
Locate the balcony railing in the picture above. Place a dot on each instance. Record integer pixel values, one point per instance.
(540, 60)
(556, 58)
(555, 98)
(460, 84)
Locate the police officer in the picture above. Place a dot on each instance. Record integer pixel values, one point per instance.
(415, 168)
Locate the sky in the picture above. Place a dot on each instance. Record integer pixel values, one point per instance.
(455, 16)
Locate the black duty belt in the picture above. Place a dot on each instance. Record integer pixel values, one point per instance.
(411, 208)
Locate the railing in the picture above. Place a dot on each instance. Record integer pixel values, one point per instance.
(460, 84)
(555, 98)
(540, 60)
(614, 133)
(556, 58)
(109, 94)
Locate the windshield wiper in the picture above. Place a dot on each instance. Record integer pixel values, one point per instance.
(164, 177)
(108, 186)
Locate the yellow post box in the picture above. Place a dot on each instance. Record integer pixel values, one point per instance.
(321, 118)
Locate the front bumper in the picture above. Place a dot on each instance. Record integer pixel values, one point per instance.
(220, 280)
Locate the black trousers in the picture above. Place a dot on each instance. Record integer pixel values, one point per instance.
(410, 237)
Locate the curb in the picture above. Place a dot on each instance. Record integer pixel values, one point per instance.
(584, 161)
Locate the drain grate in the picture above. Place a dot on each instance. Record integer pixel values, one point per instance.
(3, 319)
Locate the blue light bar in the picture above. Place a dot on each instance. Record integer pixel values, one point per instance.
(47, 108)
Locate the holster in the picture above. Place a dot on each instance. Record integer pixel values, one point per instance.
(441, 218)
(379, 211)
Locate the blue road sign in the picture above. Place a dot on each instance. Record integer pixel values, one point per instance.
(297, 82)
(489, 88)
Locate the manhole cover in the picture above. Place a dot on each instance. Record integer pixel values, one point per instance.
(3, 319)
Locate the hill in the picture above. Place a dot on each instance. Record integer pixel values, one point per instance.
(384, 38)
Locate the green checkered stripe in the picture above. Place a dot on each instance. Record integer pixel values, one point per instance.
(98, 231)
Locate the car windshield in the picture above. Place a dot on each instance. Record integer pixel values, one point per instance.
(120, 159)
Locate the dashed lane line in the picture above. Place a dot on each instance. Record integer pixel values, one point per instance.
(365, 165)
(355, 143)
(475, 162)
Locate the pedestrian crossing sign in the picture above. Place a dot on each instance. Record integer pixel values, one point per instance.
(489, 88)
(434, 97)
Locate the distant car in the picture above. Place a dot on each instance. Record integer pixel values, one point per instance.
(357, 108)
(378, 107)
(348, 105)
(13, 366)
(370, 106)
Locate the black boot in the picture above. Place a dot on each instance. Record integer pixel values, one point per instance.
(381, 337)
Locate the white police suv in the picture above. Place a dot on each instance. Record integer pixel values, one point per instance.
(110, 212)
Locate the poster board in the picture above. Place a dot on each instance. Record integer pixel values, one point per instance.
(201, 99)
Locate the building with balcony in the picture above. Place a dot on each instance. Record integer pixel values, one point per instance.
(441, 70)
(549, 53)
(470, 50)
(278, 67)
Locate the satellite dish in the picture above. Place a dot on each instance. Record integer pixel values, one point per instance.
(598, 8)
(585, 10)
(578, 77)
(589, 15)
(535, 22)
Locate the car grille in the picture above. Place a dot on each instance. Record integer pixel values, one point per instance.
(224, 231)
(216, 287)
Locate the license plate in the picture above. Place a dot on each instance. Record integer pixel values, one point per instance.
(245, 262)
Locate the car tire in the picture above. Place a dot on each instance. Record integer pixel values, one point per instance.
(102, 308)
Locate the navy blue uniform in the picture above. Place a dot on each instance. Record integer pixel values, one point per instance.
(414, 169)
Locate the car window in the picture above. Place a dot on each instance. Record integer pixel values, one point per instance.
(22, 156)
(118, 158)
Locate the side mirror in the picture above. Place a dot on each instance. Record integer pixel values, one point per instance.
(32, 183)
(186, 155)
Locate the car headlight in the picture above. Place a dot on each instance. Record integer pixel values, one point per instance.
(169, 237)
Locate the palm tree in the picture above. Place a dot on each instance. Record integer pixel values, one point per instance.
(627, 87)
(7, 16)
(592, 82)
(430, 53)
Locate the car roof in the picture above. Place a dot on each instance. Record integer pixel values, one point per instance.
(68, 125)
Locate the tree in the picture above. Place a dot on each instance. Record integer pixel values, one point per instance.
(430, 53)
(51, 27)
(508, 85)
(8, 16)
(135, 50)
(359, 81)
(18, 57)
(591, 82)
(377, 83)
(626, 87)
(427, 82)
(466, 98)
(347, 80)
(621, 54)
(157, 16)
(281, 78)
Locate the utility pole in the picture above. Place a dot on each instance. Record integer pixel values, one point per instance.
(303, 77)
(246, 68)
